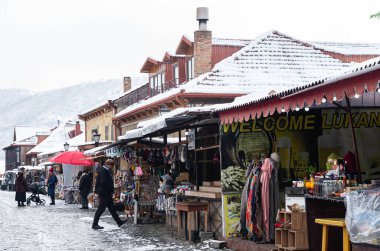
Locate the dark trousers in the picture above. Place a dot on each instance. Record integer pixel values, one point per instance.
(84, 200)
(52, 197)
(106, 202)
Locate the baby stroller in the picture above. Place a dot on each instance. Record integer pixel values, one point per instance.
(36, 190)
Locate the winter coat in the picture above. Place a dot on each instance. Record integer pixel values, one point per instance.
(21, 185)
(104, 182)
(51, 183)
(85, 184)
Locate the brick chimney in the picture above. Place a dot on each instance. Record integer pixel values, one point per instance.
(77, 129)
(41, 137)
(127, 84)
(202, 44)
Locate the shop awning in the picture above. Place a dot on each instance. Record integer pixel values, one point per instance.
(32, 168)
(95, 150)
(170, 121)
(364, 77)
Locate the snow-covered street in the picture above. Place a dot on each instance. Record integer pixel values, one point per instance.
(66, 227)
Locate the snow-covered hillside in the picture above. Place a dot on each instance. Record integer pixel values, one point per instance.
(21, 107)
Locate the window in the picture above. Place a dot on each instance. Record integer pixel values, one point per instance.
(190, 69)
(93, 131)
(106, 132)
(112, 133)
(157, 84)
(151, 84)
(163, 81)
(18, 155)
(176, 75)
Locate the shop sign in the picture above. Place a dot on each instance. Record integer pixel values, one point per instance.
(114, 151)
(299, 122)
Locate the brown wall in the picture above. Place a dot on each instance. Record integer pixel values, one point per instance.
(350, 58)
(220, 52)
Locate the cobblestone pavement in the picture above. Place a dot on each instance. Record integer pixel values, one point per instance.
(66, 227)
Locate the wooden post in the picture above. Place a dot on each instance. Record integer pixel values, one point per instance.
(354, 138)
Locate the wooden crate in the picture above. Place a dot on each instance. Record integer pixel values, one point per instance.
(277, 237)
(216, 183)
(298, 220)
(297, 240)
(284, 238)
(204, 194)
(210, 189)
(294, 236)
(286, 216)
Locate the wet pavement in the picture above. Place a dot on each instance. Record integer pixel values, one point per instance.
(66, 227)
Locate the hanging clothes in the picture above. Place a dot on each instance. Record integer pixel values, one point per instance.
(266, 173)
(243, 207)
(274, 197)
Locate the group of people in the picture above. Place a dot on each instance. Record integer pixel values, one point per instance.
(21, 186)
(104, 188)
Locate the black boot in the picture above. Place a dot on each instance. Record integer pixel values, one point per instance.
(19, 205)
(52, 200)
(22, 204)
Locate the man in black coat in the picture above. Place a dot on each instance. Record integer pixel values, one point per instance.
(104, 187)
(84, 188)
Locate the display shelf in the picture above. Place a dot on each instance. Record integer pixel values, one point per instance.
(293, 234)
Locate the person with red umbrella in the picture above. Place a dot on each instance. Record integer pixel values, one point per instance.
(104, 187)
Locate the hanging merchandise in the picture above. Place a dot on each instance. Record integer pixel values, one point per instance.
(260, 200)
(183, 153)
(266, 171)
(138, 171)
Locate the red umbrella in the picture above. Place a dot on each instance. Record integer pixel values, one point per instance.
(75, 158)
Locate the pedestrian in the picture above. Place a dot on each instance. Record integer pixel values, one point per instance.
(21, 188)
(85, 184)
(42, 178)
(51, 183)
(104, 187)
(77, 179)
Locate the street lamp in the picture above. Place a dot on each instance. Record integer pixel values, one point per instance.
(66, 146)
(96, 136)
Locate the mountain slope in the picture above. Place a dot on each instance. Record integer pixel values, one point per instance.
(21, 107)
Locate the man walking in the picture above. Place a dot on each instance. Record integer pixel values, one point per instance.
(84, 188)
(104, 187)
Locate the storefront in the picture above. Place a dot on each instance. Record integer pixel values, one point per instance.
(183, 148)
(305, 126)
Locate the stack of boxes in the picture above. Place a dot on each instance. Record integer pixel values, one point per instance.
(292, 235)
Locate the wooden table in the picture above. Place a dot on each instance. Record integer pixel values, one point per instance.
(189, 207)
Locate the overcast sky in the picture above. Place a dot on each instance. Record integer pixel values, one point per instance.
(51, 44)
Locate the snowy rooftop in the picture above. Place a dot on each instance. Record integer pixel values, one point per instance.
(348, 48)
(31, 141)
(23, 132)
(348, 72)
(273, 61)
(54, 143)
(225, 41)
(230, 42)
